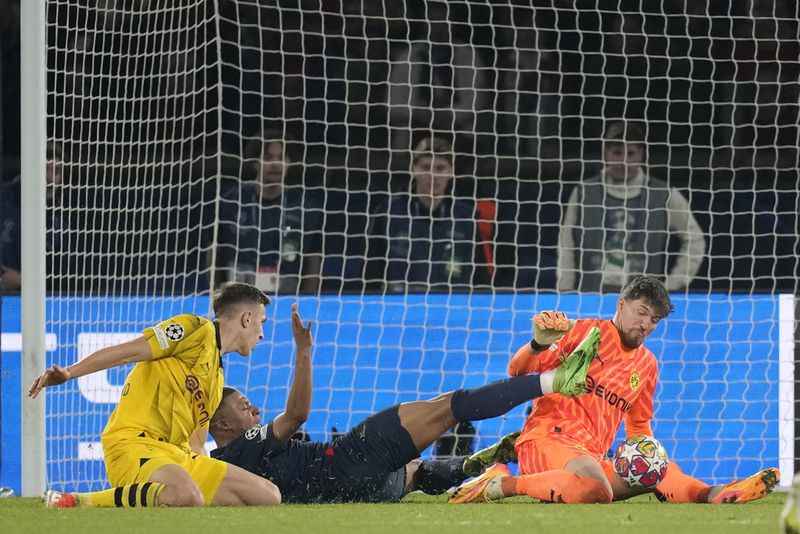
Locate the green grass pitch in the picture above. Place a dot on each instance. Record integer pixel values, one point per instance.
(417, 514)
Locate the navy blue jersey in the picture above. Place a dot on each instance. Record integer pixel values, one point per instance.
(298, 468)
(367, 464)
(427, 251)
(269, 236)
(62, 219)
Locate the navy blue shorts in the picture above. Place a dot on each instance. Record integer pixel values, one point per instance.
(369, 460)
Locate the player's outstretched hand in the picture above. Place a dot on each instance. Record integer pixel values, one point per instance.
(550, 326)
(302, 334)
(52, 377)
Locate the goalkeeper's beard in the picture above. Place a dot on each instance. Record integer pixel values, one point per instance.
(627, 340)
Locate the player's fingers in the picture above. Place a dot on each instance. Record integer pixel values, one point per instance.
(560, 321)
(37, 385)
(549, 319)
(308, 326)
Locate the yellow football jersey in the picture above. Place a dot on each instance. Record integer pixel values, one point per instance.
(171, 396)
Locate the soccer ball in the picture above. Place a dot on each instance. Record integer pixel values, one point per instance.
(641, 461)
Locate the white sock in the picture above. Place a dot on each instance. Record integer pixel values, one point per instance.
(546, 381)
(494, 489)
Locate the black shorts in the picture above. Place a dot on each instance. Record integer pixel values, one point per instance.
(369, 460)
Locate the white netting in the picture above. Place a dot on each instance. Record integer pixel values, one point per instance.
(164, 109)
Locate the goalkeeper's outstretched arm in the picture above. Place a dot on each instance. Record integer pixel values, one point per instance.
(136, 350)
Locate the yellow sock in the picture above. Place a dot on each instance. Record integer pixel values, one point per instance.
(134, 495)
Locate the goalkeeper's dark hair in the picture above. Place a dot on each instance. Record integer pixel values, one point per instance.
(231, 295)
(651, 290)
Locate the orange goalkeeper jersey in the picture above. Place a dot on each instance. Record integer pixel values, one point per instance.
(621, 387)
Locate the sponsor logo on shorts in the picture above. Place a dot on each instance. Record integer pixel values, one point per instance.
(611, 397)
(635, 381)
(198, 399)
(174, 331)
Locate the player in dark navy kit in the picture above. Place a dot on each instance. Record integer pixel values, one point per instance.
(376, 460)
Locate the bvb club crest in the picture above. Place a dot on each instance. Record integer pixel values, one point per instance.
(634, 381)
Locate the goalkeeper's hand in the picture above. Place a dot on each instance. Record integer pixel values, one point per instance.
(549, 327)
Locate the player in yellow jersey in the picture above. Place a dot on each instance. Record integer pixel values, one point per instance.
(154, 441)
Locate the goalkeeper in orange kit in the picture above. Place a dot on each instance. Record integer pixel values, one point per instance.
(561, 447)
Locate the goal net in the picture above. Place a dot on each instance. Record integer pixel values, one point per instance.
(171, 121)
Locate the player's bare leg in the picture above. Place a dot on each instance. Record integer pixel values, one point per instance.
(589, 468)
(427, 420)
(240, 487)
(179, 488)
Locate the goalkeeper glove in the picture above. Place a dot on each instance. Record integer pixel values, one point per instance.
(549, 327)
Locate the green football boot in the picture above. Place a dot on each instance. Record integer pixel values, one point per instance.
(501, 452)
(570, 379)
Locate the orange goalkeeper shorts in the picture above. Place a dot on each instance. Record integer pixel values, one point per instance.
(546, 454)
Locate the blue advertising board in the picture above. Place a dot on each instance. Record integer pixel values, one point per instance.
(717, 404)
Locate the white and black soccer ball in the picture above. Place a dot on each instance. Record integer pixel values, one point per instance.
(641, 461)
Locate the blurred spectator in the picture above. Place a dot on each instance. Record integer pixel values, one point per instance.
(522, 90)
(10, 261)
(271, 232)
(10, 235)
(9, 89)
(437, 83)
(620, 224)
(526, 248)
(765, 85)
(428, 237)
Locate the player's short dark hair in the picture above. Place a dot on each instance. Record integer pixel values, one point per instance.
(651, 290)
(433, 146)
(624, 132)
(231, 294)
(220, 412)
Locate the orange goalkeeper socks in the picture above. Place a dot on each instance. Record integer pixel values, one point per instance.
(134, 495)
(562, 486)
(680, 487)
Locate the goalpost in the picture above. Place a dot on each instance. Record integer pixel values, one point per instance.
(154, 106)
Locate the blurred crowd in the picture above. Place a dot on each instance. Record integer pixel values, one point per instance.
(413, 146)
